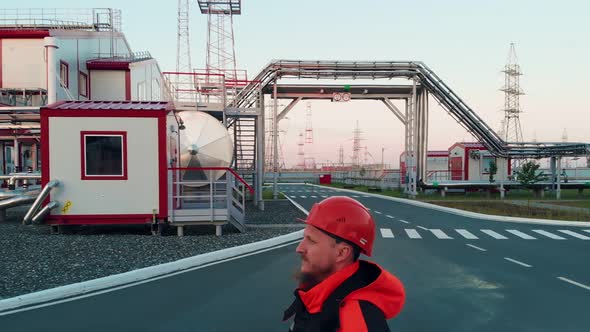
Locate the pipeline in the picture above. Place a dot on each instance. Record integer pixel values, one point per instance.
(44, 193)
(45, 210)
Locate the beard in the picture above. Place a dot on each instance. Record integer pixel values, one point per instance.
(308, 280)
(305, 280)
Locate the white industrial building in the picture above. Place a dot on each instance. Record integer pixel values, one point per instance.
(80, 56)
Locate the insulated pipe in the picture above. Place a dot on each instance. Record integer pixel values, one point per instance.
(45, 210)
(50, 47)
(15, 201)
(12, 179)
(44, 193)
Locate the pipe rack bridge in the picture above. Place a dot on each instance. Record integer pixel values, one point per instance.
(428, 80)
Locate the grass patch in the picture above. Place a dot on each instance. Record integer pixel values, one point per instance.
(581, 204)
(365, 189)
(515, 194)
(506, 209)
(267, 194)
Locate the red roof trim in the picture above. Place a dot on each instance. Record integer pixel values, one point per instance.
(107, 65)
(24, 34)
(142, 106)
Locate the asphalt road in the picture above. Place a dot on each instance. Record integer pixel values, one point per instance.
(460, 274)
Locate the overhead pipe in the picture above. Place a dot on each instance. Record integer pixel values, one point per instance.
(456, 107)
(23, 176)
(44, 193)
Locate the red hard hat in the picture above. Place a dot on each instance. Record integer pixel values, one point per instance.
(346, 218)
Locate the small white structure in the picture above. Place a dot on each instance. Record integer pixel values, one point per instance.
(470, 161)
(111, 161)
(138, 163)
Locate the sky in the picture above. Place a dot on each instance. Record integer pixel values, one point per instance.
(465, 42)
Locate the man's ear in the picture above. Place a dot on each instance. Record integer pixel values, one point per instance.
(344, 251)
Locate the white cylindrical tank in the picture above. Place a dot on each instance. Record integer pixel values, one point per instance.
(205, 142)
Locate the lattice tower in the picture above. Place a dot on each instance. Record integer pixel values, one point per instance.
(511, 128)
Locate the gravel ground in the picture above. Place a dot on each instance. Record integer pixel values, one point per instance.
(33, 259)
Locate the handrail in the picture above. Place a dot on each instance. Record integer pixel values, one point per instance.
(214, 169)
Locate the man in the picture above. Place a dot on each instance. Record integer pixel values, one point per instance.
(337, 291)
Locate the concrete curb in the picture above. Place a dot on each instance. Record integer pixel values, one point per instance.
(131, 278)
(468, 214)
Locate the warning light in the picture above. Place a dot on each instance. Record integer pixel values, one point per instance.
(347, 88)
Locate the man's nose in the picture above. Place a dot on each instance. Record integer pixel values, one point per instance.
(300, 248)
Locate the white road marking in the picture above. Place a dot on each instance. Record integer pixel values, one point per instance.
(303, 196)
(547, 234)
(377, 212)
(467, 234)
(440, 234)
(405, 222)
(574, 283)
(365, 196)
(293, 196)
(314, 197)
(574, 234)
(424, 228)
(587, 230)
(521, 234)
(368, 209)
(388, 216)
(475, 247)
(517, 262)
(494, 234)
(413, 234)
(324, 196)
(355, 196)
(386, 232)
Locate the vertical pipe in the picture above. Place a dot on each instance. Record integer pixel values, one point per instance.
(50, 47)
(275, 141)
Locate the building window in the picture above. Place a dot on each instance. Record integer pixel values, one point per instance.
(104, 155)
(486, 162)
(141, 91)
(83, 84)
(64, 74)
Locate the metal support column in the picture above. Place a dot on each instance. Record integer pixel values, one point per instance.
(275, 141)
(407, 148)
(260, 151)
(34, 157)
(552, 166)
(16, 155)
(413, 139)
(558, 190)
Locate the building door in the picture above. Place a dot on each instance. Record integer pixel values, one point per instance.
(456, 168)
